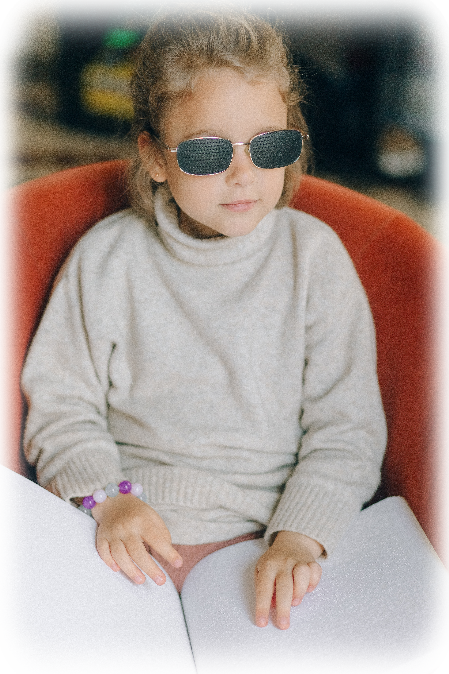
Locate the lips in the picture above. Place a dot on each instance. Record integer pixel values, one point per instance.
(240, 206)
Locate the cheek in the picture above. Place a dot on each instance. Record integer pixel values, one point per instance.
(197, 195)
(275, 183)
(193, 193)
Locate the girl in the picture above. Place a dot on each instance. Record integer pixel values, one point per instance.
(210, 344)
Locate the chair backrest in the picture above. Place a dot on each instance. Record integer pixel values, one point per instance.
(396, 262)
(49, 215)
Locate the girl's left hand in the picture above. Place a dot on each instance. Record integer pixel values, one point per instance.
(288, 569)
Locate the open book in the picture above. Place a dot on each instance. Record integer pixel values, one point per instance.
(378, 607)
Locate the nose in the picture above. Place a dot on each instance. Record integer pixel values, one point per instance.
(242, 170)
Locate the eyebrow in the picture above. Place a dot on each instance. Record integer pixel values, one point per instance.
(206, 133)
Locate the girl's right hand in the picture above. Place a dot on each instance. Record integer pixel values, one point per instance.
(125, 524)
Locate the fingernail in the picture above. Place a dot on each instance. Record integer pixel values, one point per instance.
(261, 622)
(283, 623)
(159, 580)
(177, 562)
(139, 579)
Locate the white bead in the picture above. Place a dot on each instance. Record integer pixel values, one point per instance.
(136, 489)
(99, 496)
(111, 490)
(84, 510)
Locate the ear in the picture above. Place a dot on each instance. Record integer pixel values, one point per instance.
(152, 157)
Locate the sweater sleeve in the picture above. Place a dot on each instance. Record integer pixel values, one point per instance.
(65, 381)
(342, 420)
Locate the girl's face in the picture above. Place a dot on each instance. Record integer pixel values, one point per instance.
(223, 103)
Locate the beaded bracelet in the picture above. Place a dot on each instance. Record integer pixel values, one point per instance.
(111, 490)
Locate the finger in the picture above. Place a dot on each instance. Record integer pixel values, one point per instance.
(264, 581)
(315, 575)
(124, 554)
(105, 554)
(284, 597)
(157, 536)
(166, 550)
(144, 559)
(301, 581)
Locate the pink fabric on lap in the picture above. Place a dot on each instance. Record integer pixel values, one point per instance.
(192, 554)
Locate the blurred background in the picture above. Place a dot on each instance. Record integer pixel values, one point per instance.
(370, 104)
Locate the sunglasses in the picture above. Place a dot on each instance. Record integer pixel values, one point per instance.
(209, 155)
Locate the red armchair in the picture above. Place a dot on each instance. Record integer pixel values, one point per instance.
(397, 263)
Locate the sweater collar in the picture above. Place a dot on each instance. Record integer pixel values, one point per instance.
(207, 252)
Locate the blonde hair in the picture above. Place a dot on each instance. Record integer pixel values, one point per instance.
(178, 47)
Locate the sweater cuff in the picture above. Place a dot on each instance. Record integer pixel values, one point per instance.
(84, 474)
(315, 511)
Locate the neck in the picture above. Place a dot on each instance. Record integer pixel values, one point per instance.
(195, 229)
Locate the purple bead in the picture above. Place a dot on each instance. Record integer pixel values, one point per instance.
(125, 487)
(89, 502)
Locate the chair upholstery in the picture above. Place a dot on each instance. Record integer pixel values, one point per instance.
(396, 261)
(48, 217)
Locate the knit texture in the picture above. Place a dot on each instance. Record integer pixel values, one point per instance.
(235, 378)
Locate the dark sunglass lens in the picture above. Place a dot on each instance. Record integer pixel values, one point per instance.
(204, 156)
(276, 149)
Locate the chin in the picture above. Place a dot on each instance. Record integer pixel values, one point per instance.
(237, 230)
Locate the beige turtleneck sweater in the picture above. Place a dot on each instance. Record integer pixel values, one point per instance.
(234, 378)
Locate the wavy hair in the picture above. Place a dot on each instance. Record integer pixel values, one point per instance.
(177, 48)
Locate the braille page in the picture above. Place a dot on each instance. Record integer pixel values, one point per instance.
(66, 611)
(378, 607)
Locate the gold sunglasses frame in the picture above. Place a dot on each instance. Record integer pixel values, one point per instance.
(305, 136)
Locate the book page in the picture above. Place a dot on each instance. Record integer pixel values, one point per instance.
(378, 607)
(65, 610)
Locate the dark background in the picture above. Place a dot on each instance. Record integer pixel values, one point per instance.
(353, 56)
